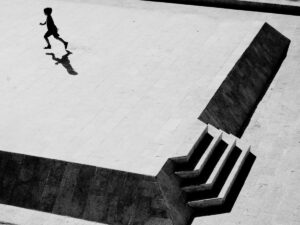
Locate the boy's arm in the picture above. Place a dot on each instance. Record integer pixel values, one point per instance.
(43, 23)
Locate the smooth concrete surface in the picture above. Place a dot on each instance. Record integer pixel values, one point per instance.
(140, 87)
(10, 215)
(38, 99)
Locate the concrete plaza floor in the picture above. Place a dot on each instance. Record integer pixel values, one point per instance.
(141, 83)
(145, 71)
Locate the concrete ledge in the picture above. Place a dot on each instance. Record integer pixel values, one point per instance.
(233, 104)
(241, 5)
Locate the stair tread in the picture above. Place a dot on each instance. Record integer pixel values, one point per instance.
(215, 173)
(205, 202)
(213, 201)
(208, 152)
(203, 133)
(186, 158)
(234, 172)
(213, 177)
(199, 166)
(195, 188)
(186, 174)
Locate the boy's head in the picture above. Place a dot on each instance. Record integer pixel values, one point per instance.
(47, 11)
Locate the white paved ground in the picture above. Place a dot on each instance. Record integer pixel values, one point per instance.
(10, 215)
(143, 79)
(145, 72)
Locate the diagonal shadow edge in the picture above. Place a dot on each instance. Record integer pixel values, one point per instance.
(235, 101)
(240, 5)
(234, 192)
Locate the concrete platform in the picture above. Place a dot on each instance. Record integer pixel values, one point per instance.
(145, 72)
(140, 87)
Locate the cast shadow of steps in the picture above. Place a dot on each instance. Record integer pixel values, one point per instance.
(211, 176)
(227, 206)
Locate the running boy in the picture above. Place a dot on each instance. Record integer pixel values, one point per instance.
(52, 29)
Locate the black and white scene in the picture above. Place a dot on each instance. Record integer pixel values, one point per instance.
(150, 112)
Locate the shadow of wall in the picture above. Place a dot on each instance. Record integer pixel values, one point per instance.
(235, 101)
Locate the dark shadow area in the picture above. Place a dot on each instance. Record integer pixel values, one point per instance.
(195, 155)
(79, 191)
(64, 61)
(235, 101)
(171, 166)
(260, 97)
(5, 223)
(228, 166)
(208, 167)
(239, 5)
(235, 190)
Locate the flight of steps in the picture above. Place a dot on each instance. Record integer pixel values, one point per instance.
(208, 173)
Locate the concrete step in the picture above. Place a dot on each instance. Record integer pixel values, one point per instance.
(214, 175)
(201, 163)
(187, 158)
(221, 197)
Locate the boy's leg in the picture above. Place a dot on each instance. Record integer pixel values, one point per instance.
(47, 40)
(62, 40)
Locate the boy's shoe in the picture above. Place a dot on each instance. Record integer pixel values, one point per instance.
(48, 47)
(66, 44)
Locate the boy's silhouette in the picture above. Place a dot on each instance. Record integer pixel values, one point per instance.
(52, 29)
